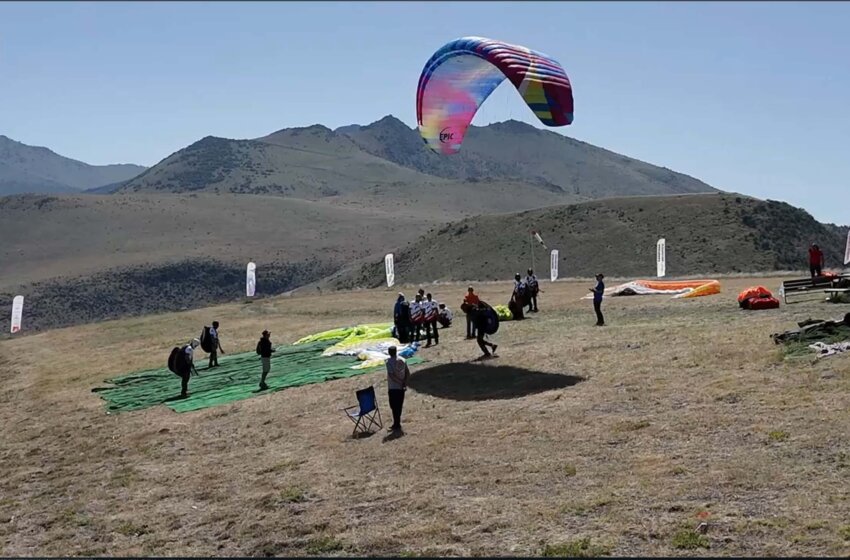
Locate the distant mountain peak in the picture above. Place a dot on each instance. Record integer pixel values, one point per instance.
(40, 170)
(512, 126)
(388, 121)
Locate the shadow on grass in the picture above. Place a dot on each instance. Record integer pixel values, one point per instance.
(478, 382)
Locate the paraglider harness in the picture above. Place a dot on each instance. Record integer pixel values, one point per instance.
(207, 342)
(487, 319)
(177, 363)
(402, 323)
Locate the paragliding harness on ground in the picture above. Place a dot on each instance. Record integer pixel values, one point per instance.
(757, 298)
(518, 301)
(206, 339)
(177, 363)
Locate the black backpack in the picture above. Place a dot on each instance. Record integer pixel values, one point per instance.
(404, 313)
(177, 361)
(206, 340)
(489, 318)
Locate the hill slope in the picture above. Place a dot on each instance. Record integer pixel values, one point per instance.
(385, 162)
(89, 257)
(518, 151)
(708, 233)
(31, 169)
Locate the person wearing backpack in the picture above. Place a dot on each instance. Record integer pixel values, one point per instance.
(216, 346)
(265, 350)
(401, 319)
(186, 366)
(481, 322)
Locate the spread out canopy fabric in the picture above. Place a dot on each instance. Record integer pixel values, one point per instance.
(463, 73)
(676, 288)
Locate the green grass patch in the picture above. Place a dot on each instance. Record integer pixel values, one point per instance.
(688, 539)
(580, 548)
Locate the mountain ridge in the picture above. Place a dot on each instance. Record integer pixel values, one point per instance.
(315, 162)
(40, 170)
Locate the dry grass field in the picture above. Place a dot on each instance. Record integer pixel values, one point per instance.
(576, 441)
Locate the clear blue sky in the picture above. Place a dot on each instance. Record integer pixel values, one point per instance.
(749, 97)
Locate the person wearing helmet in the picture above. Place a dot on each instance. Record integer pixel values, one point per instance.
(188, 366)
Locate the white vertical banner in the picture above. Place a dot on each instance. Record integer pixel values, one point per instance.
(388, 264)
(251, 279)
(553, 265)
(847, 250)
(661, 258)
(17, 313)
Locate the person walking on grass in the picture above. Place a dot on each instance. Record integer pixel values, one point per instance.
(598, 292)
(480, 319)
(397, 376)
(187, 366)
(216, 346)
(265, 350)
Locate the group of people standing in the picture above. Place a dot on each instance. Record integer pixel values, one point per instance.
(424, 313)
(184, 364)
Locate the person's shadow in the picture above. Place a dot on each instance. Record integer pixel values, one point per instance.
(392, 436)
(477, 381)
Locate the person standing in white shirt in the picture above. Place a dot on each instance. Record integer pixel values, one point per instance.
(397, 376)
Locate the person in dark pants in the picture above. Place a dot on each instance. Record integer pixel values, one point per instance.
(401, 319)
(417, 318)
(815, 260)
(533, 287)
(216, 345)
(598, 291)
(397, 376)
(265, 350)
(480, 320)
(188, 367)
(431, 314)
(469, 301)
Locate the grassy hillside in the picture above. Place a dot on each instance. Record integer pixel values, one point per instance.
(88, 257)
(710, 233)
(32, 169)
(576, 441)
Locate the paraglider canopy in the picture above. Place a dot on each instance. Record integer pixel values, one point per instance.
(463, 73)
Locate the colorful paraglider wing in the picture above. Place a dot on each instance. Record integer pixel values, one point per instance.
(463, 73)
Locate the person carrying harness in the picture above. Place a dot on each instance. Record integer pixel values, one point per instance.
(186, 366)
(401, 319)
(484, 316)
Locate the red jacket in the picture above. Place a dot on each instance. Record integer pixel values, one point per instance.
(815, 257)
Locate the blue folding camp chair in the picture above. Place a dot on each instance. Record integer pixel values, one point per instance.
(365, 414)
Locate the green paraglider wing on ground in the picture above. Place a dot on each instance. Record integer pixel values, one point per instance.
(237, 378)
